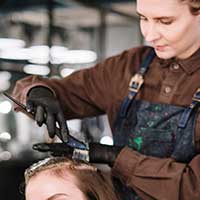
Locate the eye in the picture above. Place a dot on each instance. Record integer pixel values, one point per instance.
(143, 18)
(166, 21)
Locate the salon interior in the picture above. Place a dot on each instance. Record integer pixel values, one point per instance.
(54, 38)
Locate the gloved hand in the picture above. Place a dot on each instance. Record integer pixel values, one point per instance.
(100, 153)
(97, 153)
(46, 108)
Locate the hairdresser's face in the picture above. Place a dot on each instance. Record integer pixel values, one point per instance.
(46, 186)
(169, 27)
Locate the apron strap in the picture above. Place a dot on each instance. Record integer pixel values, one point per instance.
(186, 114)
(185, 148)
(136, 83)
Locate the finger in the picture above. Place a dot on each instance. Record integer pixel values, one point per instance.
(30, 106)
(63, 127)
(55, 148)
(51, 124)
(42, 147)
(40, 115)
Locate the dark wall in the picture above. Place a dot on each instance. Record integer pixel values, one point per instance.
(11, 177)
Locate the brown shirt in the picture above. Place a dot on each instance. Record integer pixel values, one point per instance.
(102, 88)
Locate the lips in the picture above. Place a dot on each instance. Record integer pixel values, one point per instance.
(160, 47)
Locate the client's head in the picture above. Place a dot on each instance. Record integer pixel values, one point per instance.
(59, 178)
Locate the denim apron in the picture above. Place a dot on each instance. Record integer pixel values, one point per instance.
(155, 129)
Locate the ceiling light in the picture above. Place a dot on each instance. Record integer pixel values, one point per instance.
(5, 107)
(6, 43)
(14, 54)
(66, 71)
(79, 57)
(5, 75)
(106, 140)
(5, 136)
(39, 54)
(5, 80)
(42, 54)
(58, 53)
(36, 69)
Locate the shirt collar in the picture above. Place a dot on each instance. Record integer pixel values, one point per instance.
(189, 65)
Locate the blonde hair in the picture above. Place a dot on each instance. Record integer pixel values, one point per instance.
(94, 184)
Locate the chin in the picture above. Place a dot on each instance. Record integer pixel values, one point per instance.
(164, 54)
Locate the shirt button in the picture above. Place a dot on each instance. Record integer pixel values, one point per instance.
(167, 89)
(175, 66)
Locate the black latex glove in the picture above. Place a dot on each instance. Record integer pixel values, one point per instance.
(98, 153)
(46, 108)
(56, 149)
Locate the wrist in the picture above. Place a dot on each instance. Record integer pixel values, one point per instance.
(99, 153)
(38, 90)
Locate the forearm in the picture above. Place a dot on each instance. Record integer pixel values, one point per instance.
(74, 103)
(155, 178)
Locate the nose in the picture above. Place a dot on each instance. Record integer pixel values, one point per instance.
(152, 34)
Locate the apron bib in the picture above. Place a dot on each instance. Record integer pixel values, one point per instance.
(155, 129)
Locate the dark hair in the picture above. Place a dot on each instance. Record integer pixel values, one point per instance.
(194, 6)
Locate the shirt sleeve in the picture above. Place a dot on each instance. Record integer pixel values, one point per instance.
(89, 92)
(73, 97)
(84, 93)
(156, 178)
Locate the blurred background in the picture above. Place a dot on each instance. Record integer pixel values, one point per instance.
(53, 38)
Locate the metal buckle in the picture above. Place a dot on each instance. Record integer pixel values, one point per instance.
(195, 98)
(138, 80)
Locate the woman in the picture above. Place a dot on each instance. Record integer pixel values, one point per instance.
(60, 178)
(151, 96)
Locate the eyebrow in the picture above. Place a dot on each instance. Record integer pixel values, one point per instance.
(53, 197)
(157, 18)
